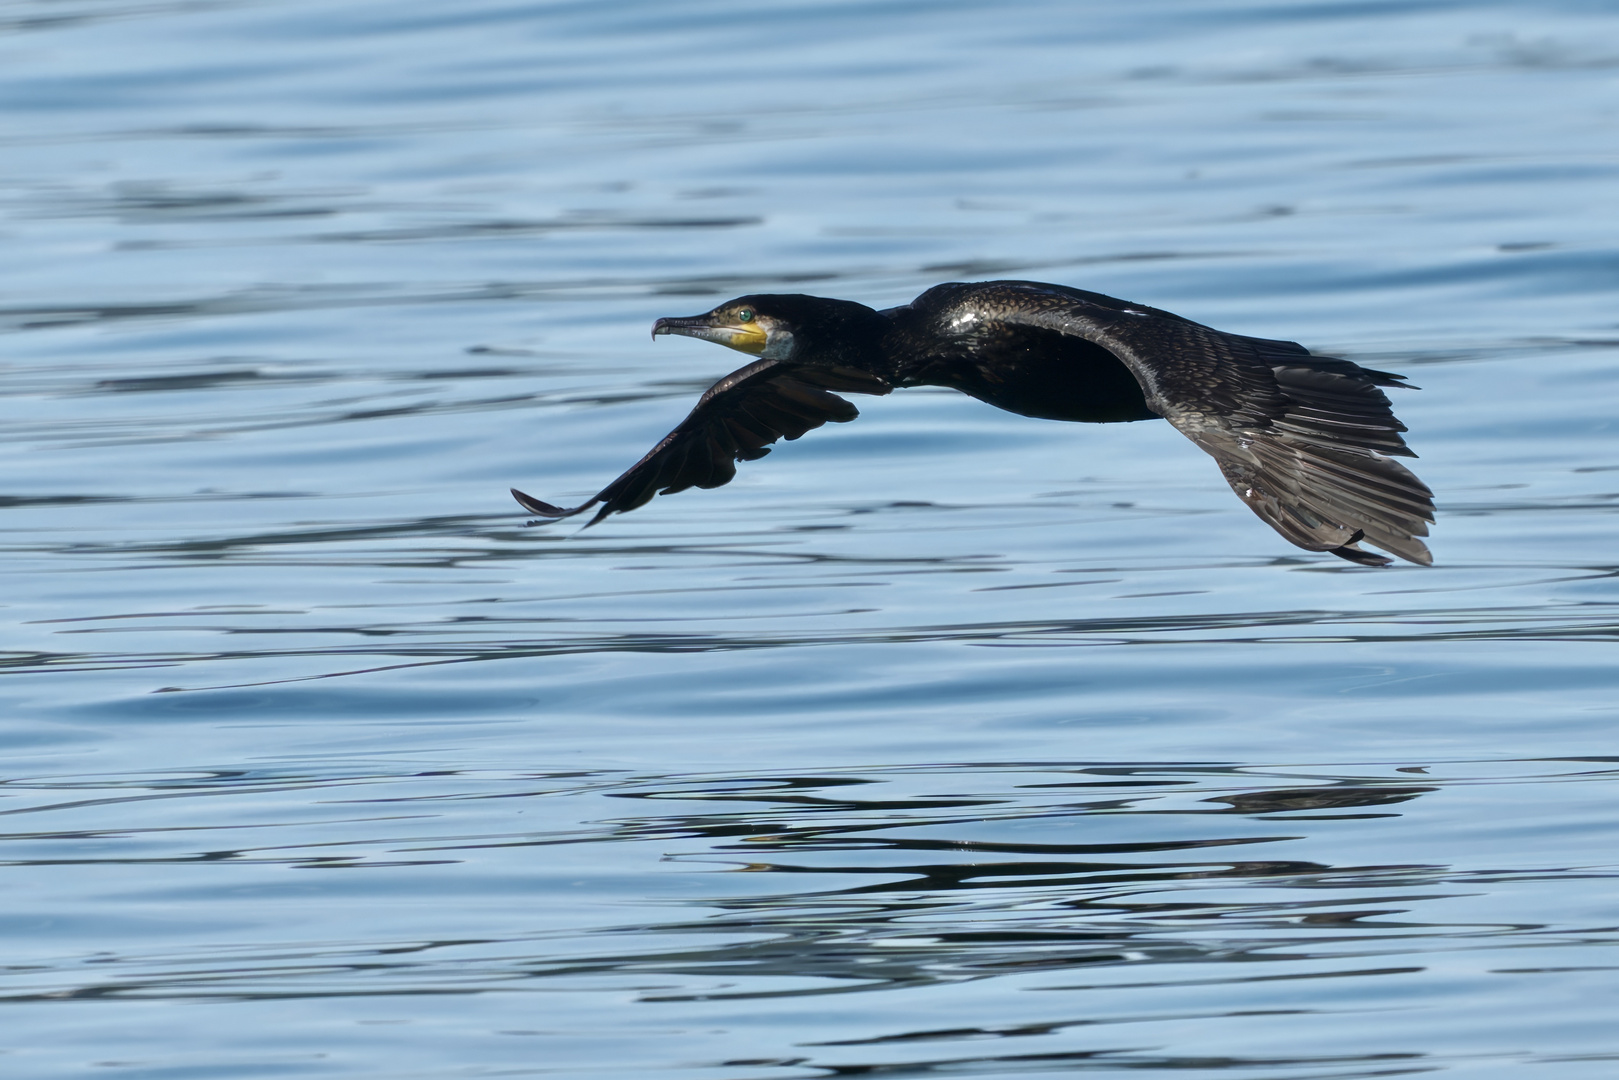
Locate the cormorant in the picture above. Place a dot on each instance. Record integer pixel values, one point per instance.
(1303, 440)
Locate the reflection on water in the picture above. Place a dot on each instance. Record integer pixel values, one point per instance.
(944, 743)
(1178, 887)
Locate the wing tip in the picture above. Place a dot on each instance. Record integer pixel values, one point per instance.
(1416, 552)
(537, 506)
(1409, 548)
(542, 509)
(1357, 554)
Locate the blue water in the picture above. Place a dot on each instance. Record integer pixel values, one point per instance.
(943, 743)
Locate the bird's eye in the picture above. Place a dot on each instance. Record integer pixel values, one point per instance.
(745, 315)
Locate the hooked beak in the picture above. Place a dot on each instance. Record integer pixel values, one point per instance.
(743, 337)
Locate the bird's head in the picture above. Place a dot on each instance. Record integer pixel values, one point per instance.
(785, 326)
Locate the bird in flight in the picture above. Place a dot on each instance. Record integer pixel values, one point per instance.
(1308, 442)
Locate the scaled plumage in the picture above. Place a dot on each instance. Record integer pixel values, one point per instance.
(1305, 441)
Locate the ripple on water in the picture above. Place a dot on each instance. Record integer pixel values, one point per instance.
(1150, 895)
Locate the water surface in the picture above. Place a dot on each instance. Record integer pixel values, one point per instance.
(946, 742)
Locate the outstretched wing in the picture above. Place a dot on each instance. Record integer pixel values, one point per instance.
(1304, 440)
(736, 419)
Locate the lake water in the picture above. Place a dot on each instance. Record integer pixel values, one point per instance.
(944, 743)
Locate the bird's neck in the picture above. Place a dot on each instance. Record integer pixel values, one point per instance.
(852, 336)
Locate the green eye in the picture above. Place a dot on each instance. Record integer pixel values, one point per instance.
(745, 315)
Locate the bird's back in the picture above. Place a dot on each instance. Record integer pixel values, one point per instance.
(960, 336)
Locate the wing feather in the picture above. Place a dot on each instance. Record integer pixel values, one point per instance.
(736, 419)
(1306, 442)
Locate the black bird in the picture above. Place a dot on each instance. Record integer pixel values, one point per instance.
(1303, 440)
